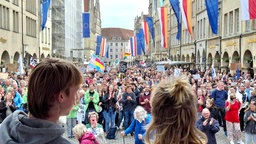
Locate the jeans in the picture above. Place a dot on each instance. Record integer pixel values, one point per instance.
(71, 122)
(221, 117)
(250, 138)
(120, 117)
(128, 117)
(109, 117)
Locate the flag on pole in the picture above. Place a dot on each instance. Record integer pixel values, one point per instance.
(126, 55)
(213, 72)
(103, 46)
(186, 11)
(150, 23)
(97, 63)
(212, 7)
(44, 8)
(163, 25)
(32, 62)
(98, 44)
(107, 52)
(248, 9)
(133, 45)
(139, 53)
(86, 25)
(141, 40)
(146, 36)
(176, 9)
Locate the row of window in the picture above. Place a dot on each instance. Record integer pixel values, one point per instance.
(31, 27)
(31, 6)
(111, 56)
(117, 44)
(5, 21)
(46, 36)
(16, 2)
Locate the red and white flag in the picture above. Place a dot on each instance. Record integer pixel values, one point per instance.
(248, 9)
(32, 62)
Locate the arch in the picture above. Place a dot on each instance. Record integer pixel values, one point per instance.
(42, 56)
(235, 57)
(5, 59)
(183, 58)
(187, 58)
(209, 59)
(16, 57)
(48, 56)
(217, 59)
(193, 57)
(225, 59)
(247, 61)
(178, 57)
(175, 58)
(34, 56)
(198, 57)
(171, 57)
(204, 56)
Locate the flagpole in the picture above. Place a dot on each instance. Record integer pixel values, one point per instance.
(180, 34)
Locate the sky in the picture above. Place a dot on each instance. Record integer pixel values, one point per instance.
(121, 13)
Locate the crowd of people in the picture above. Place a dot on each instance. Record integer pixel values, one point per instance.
(152, 105)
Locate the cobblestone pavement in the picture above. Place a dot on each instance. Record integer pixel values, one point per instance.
(221, 139)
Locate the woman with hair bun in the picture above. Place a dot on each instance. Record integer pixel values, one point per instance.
(173, 108)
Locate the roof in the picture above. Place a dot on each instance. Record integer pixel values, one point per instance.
(108, 33)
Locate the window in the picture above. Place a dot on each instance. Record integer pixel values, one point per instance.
(15, 2)
(111, 50)
(254, 24)
(31, 6)
(247, 25)
(116, 56)
(226, 24)
(111, 56)
(113, 38)
(116, 44)
(204, 34)
(15, 21)
(122, 44)
(4, 17)
(49, 36)
(31, 27)
(237, 21)
(231, 22)
(111, 44)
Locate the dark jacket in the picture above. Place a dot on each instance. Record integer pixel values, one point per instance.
(209, 130)
(128, 104)
(250, 126)
(109, 102)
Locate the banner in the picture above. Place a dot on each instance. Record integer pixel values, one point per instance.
(98, 44)
(86, 25)
(176, 9)
(44, 8)
(122, 66)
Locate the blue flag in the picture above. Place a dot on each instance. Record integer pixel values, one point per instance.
(138, 44)
(141, 40)
(238, 74)
(98, 43)
(86, 25)
(107, 52)
(150, 23)
(45, 7)
(176, 9)
(212, 12)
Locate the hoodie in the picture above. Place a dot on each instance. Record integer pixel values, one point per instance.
(88, 138)
(18, 128)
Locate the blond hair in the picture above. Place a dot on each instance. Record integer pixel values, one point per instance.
(174, 114)
(79, 130)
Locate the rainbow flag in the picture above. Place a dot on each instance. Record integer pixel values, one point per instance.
(126, 55)
(186, 11)
(163, 24)
(146, 35)
(97, 63)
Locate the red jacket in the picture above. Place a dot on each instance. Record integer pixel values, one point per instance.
(88, 138)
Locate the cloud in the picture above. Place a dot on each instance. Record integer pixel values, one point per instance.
(121, 13)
